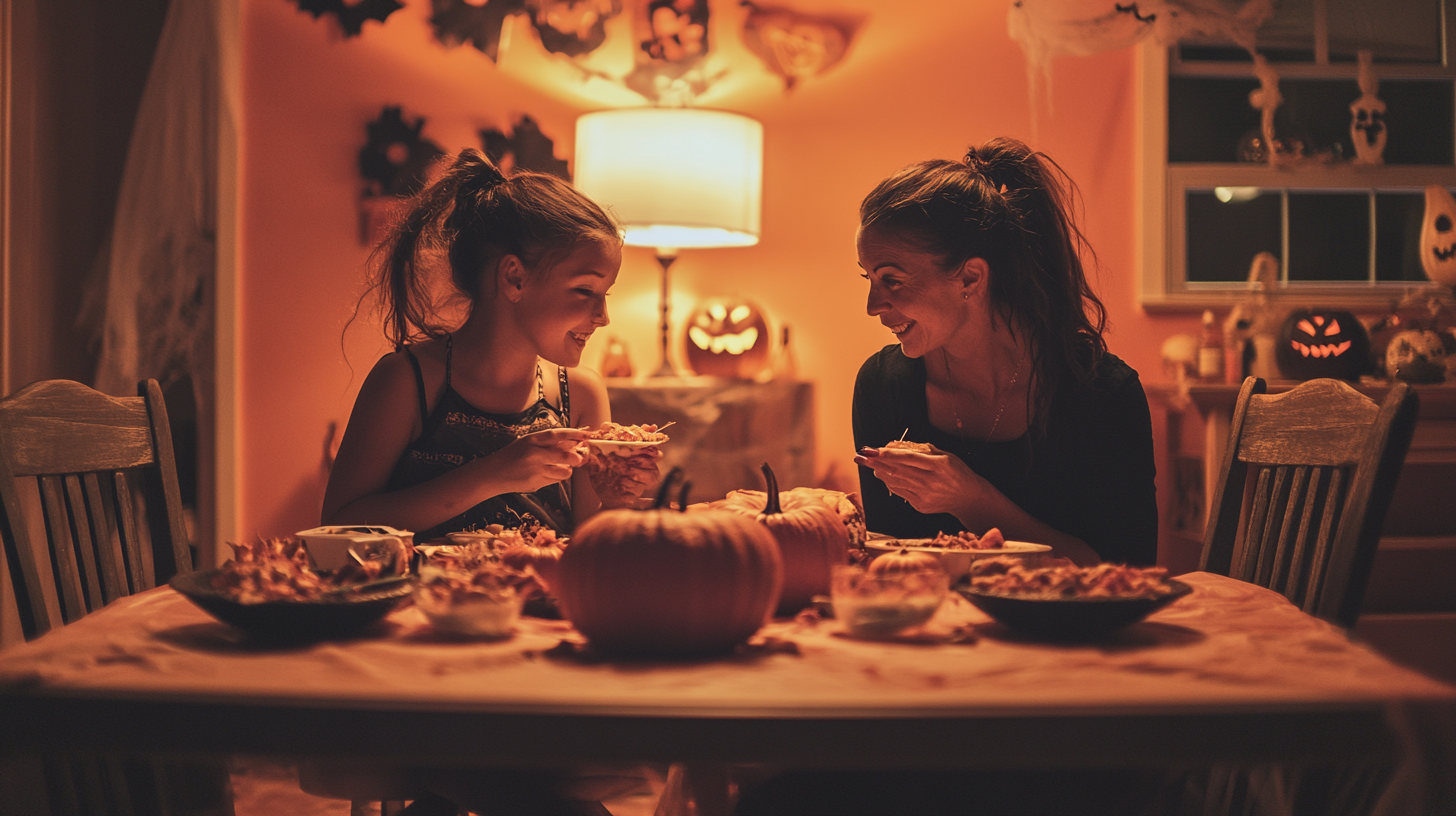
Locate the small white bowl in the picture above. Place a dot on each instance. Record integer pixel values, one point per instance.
(955, 562)
(483, 616)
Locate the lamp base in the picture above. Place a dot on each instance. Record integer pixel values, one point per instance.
(665, 257)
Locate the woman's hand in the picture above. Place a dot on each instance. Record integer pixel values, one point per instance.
(536, 460)
(619, 481)
(933, 482)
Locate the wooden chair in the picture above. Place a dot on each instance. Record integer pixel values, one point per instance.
(1307, 522)
(92, 457)
(111, 511)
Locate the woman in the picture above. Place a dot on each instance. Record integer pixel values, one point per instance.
(1001, 366)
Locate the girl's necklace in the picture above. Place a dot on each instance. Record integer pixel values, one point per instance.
(945, 358)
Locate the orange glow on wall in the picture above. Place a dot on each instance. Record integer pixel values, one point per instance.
(921, 80)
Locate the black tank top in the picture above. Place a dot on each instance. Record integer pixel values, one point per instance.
(457, 432)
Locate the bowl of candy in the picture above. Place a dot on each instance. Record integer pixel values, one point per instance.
(1068, 602)
(881, 604)
(271, 590)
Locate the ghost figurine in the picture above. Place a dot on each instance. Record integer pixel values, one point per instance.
(1438, 236)
(1367, 117)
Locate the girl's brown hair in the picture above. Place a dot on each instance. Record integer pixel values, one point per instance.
(1013, 208)
(473, 216)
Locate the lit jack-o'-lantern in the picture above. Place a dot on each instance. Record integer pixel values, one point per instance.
(728, 338)
(1438, 236)
(1416, 356)
(1322, 344)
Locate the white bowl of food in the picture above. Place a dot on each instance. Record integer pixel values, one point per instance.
(479, 600)
(957, 550)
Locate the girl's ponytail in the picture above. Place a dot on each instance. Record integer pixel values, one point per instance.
(468, 219)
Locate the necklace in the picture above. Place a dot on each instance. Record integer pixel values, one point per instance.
(1004, 400)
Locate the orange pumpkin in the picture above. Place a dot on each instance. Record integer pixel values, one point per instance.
(811, 541)
(905, 562)
(664, 582)
(845, 505)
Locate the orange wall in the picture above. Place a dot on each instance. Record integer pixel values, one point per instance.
(923, 80)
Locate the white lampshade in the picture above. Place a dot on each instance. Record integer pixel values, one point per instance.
(675, 177)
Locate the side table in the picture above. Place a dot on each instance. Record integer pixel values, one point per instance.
(725, 429)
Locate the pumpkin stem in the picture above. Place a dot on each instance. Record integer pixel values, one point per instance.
(660, 503)
(772, 506)
(682, 497)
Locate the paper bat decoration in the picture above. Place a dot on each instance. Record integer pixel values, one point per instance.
(457, 22)
(527, 147)
(351, 17)
(396, 159)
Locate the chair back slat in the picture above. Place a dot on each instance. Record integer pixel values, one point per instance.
(1288, 530)
(1326, 459)
(79, 520)
(67, 574)
(108, 546)
(1324, 539)
(1248, 557)
(1293, 586)
(1267, 550)
(143, 573)
(109, 498)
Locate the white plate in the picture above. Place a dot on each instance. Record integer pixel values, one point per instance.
(956, 562)
(462, 538)
(621, 448)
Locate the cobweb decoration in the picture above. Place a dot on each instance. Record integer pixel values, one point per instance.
(155, 282)
(1047, 29)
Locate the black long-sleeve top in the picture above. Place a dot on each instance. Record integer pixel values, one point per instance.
(1090, 475)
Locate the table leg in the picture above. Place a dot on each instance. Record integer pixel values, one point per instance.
(709, 784)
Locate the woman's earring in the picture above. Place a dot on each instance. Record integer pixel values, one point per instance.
(965, 295)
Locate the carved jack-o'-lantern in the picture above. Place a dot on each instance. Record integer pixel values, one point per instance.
(1438, 236)
(728, 338)
(1322, 344)
(1416, 356)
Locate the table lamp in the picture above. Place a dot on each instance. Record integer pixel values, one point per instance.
(676, 178)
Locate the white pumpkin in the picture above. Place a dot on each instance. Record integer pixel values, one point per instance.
(1438, 236)
(1416, 356)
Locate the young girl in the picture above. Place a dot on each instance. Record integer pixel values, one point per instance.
(480, 423)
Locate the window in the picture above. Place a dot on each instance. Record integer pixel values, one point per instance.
(1346, 234)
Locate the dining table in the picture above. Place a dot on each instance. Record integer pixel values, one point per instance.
(1230, 673)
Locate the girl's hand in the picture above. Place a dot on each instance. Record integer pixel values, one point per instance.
(933, 482)
(536, 460)
(619, 481)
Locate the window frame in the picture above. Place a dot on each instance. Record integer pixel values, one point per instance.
(1162, 185)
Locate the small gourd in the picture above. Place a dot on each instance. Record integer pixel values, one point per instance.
(904, 562)
(544, 557)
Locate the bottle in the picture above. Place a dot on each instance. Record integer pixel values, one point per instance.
(1210, 350)
(785, 366)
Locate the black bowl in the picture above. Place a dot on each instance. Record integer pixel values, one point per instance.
(337, 615)
(1069, 618)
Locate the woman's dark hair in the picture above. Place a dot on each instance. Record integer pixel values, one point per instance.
(473, 216)
(1013, 208)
